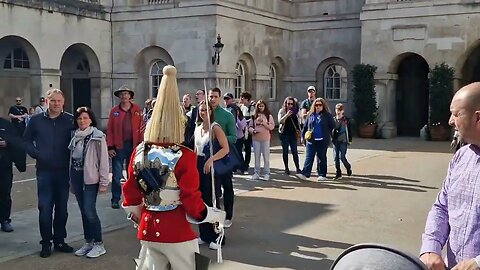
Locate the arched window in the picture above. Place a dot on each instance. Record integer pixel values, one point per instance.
(16, 58)
(273, 82)
(156, 73)
(240, 81)
(335, 82)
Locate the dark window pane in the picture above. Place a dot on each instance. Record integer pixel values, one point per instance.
(9, 56)
(26, 64)
(7, 64)
(17, 63)
(17, 53)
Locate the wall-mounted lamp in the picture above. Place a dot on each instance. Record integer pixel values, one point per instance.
(217, 50)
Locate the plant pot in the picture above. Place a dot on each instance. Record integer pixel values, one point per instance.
(438, 133)
(367, 130)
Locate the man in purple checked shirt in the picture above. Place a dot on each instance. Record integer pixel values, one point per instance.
(455, 216)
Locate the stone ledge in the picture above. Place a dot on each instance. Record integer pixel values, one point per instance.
(85, 8)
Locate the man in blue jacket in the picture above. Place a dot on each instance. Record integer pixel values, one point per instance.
(46, 139)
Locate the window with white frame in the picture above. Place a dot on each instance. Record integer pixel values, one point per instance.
(335, 82)
(240, 80)
(156, 73)
(16, 58)
(273, 82)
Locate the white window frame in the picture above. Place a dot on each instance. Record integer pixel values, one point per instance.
(335, 82)
(156, 74)
(240, 79)
(23, 60)
(272, 87)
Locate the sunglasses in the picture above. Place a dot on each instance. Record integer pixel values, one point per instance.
(290, 104)
(318, 105)
(18, 100)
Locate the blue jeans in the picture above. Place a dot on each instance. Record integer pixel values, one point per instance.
(122, 155)
(52, 192)
(289, 140)
(340, 153)
(318, 148)
(87, 199)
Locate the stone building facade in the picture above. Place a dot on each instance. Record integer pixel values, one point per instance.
(273, 49)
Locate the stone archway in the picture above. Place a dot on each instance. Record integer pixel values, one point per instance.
(149, 63)
(411, 94)
(470, 71)
(19, 73)
(80, 79)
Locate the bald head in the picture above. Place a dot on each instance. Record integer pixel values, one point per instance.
(469, 95)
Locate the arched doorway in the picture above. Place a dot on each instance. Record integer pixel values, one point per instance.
(412, 94)
(471, 67)
(19, 73)
(80, 80)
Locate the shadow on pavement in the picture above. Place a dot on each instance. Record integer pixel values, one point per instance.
(259, 237)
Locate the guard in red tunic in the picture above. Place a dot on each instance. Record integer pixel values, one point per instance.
(162, 190)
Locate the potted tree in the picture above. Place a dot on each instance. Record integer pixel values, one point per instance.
(364, 99)
(440, 95)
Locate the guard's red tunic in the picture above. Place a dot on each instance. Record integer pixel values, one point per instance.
(170, 226)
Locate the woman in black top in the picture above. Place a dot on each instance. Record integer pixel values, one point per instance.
(289, 129)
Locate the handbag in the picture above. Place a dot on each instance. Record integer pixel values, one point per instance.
(298, 134)
(309, 132)
(226, 164)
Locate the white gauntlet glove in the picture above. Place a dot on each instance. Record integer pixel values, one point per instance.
(214, 215)
(136, 210)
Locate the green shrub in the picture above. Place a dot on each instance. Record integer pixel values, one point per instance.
(364, 96)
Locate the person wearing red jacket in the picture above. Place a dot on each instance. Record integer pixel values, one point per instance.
(162, 190)
(124, 133)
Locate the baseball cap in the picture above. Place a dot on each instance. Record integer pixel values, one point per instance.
(311, 87)
(228, 96)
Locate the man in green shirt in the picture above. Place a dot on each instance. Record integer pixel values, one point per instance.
(225, 119)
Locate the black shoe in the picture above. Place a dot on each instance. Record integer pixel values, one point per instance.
(46, 251)
(349, 172)
(63, 247)
(338, 176)
(299, 171)
(287, 171)
(115, 205)
(6, 227)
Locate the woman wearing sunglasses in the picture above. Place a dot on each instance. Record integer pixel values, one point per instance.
(318, 128)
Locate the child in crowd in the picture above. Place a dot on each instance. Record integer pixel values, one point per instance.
(260, 128)
(341, 138)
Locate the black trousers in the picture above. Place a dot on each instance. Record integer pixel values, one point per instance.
(248, 151)
(226, 181)
(6, 177)
(206, 230)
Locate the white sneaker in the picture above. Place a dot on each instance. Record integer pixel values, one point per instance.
(214, 246)
(255, 177)
(228, 223)
(322, 178)
(200, 241)
(301, 176)
(97, 250)
(84, 249)
(266, 177)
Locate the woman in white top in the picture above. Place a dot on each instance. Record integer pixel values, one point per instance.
(202, 140)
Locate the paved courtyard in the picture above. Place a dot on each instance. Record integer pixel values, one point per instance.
(280, 224)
